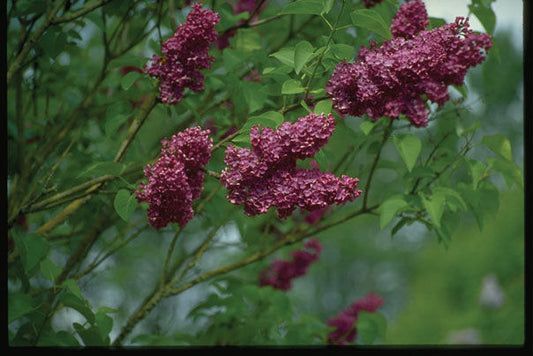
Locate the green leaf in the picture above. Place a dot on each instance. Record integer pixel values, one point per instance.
(247, 40)
(233, 58)
(305, 106)
(401, 223)
(500, 145)
(78, 304)
(463, 90)
(409, 147)
(71, 285)
(49, 270)
(389, 208)
(484, 13)
(270, 119)
(113, 123)
(53, 41)
(310, 7)
(292, 86)
(510, 172)
(254, 95)
(61, 338)
(478, 171)
(228, 18)
(32, 248)
(370, 327)
(102, 168)
(454, 200)
(327, 5)
(435, 22)
(303, 52)
(434, 207)
(372, 21)
(125, 204)
(285, 56)
(323, 107)
(342, 51)
(104, 324)
(90, 336)
(322, 160)
(127, 81)
(367, 126)
(18, 305)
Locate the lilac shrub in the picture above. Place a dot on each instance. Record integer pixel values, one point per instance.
(185, 53)
(267, 175)
(177, 179)
(397, 77)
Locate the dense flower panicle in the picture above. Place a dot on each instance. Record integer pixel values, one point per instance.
(393, 78)
(371, 3)
(177, 179)
(185, 54)
(344, 323)
(410, 19)
(281, 272)
(267, 176)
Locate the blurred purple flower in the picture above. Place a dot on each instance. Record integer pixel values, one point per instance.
(184, 55)
(344, 323)
(176, 180)
(371, 3)
(281, 273)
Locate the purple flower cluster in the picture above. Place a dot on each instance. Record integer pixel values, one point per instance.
(266, 175)
(346, 331)
(282, 272)
(410, 19)
(185, 54)
(177, 179)
(398, 76)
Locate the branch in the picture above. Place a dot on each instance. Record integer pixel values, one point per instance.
(169, 290)
(386, 135)
(79, 13)
(17, 63)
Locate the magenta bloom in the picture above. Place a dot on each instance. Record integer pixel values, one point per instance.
(398, 76)
(177, 179)
(185, 54)
(281, 273)
(410, 19)
(266, 176)
(344, 323)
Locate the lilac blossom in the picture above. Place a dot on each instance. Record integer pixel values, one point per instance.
(267, 176)
(184, 55)
(176, 180)
(410, 19)
(282, 272)
(344, 323)
(398, 76)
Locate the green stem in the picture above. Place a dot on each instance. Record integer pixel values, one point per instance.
(17, 63)
(321, 56)
(386, 134)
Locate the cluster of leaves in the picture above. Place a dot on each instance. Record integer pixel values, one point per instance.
(72, 129)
